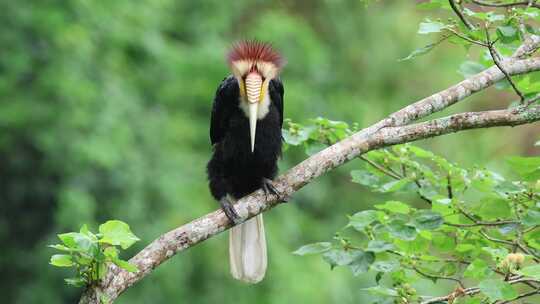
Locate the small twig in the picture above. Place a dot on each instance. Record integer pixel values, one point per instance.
(478, 223)
(384, 170)
(496, 59)
(485, 235)
(459, 13)
(466, 214)
(427, 200)
(530, 229)
(437, 277)
(460, 35)
(449, 186)
(393, 174)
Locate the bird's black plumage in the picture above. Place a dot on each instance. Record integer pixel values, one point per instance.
(233, 168)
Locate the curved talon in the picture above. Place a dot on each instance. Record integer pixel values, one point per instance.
(269, 188)
(228, 209)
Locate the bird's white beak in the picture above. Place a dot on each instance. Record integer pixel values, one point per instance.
(253, 110)
(253, 91)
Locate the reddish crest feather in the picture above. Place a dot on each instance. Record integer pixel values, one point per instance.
(256, 51)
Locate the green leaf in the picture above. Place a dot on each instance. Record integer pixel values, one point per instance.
(117, 233)
(429, 27)
(379, 246)
(341, 257)
(385, 266)
(314, 148)
(400, 229)
(427, 220)
(419, 152)
(296, 138)
(419, 52)
(381, 291)
(61, 260)
(68, 239)
(79, 242)
(362, 219)
(394, 207)
(365, 178)
(313, 248)
(531, 271)
(492, 17)
(361, 262)
(394, 185)
(492, 208)
(497, 290)
(443, 242)
(532, 218)
(497, 254)
(478, 269)
(465, 247)
(61, 247)
(507, 33)
(125, 265)
(111, 252)
(470, 68)
(77, 282)
(527, 167)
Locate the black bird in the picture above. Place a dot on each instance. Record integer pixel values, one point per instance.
(245, 132)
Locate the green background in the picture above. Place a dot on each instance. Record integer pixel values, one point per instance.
(105, 113)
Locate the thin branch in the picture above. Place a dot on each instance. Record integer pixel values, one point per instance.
(477, 224)
(460, 35)
(511, 4)
(485, 235)
(384, 170)
(387, 132)
(459, 13)
(469, 292)
(427, 200)
(496, 59)
(449, 186)
(437, 277)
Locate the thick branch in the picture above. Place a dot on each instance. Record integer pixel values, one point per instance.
(386, 132)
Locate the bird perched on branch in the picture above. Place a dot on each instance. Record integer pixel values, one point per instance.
(245, 132)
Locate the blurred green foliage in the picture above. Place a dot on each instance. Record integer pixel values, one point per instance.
(105, 113)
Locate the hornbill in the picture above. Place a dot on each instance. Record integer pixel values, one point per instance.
(245, 132)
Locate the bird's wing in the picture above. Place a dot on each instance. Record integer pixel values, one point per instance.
(227, 96)
(277, 97)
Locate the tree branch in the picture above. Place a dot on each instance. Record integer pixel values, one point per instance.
(470, 292)
(389, 131)
(511, 4)
(459, 13)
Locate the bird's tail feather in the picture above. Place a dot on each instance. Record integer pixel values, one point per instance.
(247, 250)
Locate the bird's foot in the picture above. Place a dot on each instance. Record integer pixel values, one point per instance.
(269, 188)
(228, 209)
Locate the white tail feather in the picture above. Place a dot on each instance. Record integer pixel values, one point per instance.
(247, 250)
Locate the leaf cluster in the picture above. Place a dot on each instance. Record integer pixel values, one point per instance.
(506, 28)
(89, 253)
(471, 227)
